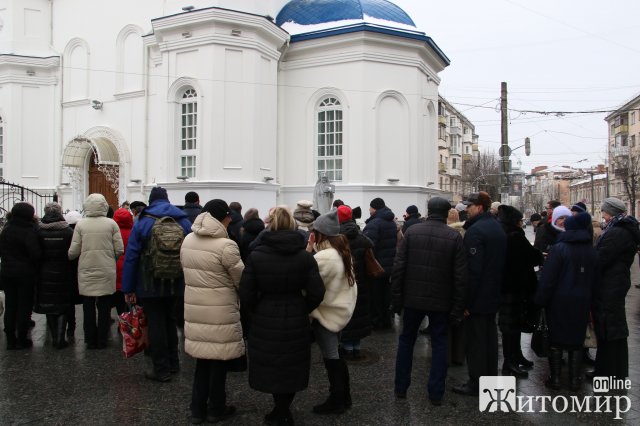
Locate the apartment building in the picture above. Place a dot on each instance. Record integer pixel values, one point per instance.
(624, 153)
(457, 146)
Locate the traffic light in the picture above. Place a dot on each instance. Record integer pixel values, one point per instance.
(527, 147)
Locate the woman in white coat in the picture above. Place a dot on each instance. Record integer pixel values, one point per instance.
(213, 333)
(336, 269)
(98, 243)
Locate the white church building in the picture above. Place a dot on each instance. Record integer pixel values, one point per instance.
(245, 100)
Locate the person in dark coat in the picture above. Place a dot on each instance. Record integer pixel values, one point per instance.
(72, 217)
(429, 279)
(55, 291)
(381, 230)
(251, 228)
(20, 252)
(280, 286)
(568, 279)
(486, 245)
(359, 326)
(235, 226)
(518, 289)
(192, 207)
(616, 248)
(411, 217)
(546, 233)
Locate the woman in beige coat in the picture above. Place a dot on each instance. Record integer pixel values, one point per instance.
(97, 241)
(213, 333)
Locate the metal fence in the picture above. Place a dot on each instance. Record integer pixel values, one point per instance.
(11, 193)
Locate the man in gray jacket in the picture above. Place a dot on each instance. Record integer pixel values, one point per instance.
(429, 279)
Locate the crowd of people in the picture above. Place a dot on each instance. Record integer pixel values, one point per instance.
(267, 288)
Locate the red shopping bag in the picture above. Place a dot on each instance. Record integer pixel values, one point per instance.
(135, 334)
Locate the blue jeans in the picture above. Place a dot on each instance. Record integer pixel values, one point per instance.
(438, 322)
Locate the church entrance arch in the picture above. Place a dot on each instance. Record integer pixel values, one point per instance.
(93, 166)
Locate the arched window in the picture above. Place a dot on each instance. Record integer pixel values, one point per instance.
(329, 139)
(188, 132)
(1, 148)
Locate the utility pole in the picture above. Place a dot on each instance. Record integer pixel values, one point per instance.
(593, 205)
(505, 152)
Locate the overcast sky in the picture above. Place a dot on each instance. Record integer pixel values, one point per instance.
(555, 56)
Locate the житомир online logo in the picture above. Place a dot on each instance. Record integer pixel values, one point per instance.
(498, 394)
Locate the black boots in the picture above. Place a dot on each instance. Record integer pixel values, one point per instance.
(61, 327)
(511, 351)
(555, 368)
(575, 369)
(57, 325)
(339, 388)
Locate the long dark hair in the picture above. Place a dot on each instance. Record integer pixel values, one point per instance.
(341, 244)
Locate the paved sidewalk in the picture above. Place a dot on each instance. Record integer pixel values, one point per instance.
(76, 386)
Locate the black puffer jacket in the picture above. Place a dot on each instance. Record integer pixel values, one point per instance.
(360, 324)
(280, 286)
(55, 290)
(381, 230)
(486, 246)
(616, 248)
(430, 271)
(250, 230)
(20, 251)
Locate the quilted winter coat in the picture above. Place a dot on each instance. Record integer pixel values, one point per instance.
(97, 241)
(212, 270)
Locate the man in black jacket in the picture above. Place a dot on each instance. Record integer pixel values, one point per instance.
(486, 246)
(429, 278)
(381, 230)
(192, 205)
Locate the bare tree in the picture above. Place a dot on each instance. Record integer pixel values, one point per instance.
(482, 173)
(626, 165)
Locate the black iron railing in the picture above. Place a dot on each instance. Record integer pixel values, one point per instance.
(11, 193)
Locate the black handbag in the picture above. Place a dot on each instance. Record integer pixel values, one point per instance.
(540, 337)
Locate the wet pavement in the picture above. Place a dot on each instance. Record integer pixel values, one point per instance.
(78, 386)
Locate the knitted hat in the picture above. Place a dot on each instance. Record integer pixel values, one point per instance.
(495, 205)
(613, 206)
(579, 207)
(356, 213)
(72, 217)
(558, 212)
(217, 208)
(377, 203)
(535, 217)
(191, 197)
(344, 213)
(460, 207)
(438, 206)
(328, 224)
(412, 209)
(53, 208)
(509, 215)
(579, 221)
(158, 193)
(23, 210)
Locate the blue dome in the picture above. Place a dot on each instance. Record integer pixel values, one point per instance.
(313, 12)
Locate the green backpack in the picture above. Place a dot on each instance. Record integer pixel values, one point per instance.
(162, 252)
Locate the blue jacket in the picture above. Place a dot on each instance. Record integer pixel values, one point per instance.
(132, 274)
(486, 245)
(569, 276)
(382, 231)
